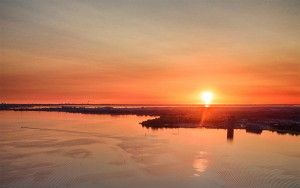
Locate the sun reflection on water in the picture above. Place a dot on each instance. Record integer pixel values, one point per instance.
(200, 164)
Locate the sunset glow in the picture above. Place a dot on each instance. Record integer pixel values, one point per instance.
(149, 93)
(207, 97)
(149, 52)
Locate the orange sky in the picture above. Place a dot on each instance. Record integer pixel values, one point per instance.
(246, 52)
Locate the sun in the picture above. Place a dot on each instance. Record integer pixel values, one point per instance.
(207, 97)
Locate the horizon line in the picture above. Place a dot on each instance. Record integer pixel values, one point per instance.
(152, 104)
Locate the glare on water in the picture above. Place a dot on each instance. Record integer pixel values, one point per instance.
(49, 149)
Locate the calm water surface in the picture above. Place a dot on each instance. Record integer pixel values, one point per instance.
(50, 149)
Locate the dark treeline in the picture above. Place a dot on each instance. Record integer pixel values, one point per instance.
(253, 119)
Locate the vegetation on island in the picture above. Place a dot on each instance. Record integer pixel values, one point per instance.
(283, 120)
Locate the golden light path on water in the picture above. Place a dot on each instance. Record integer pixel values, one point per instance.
(50, 149)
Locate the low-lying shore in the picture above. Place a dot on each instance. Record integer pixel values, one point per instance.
(254, 119)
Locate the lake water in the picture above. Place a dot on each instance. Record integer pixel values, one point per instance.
(50, 149)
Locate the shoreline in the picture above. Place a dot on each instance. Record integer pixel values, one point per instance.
(283, 120)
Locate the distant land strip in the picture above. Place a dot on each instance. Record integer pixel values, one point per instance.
(255, 119)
